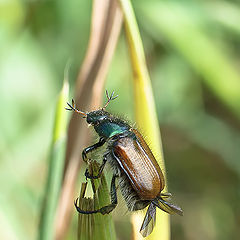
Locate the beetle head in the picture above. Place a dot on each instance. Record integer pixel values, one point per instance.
(96, 117)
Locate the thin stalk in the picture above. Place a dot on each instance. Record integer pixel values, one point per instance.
(95, 226)
(104, 33)
(56, 164)
(145, 111)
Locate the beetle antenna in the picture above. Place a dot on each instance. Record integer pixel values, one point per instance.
(109, 99)
(73, 108)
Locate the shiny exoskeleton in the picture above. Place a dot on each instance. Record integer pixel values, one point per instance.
(140, 178)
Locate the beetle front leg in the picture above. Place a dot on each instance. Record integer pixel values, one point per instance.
(106, 209)
(91, 148)
(88, 175)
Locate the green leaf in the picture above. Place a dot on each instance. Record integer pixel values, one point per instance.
(145, 111)
(55, 171)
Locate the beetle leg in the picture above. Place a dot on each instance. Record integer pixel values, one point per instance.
(166, 195)
(167, 206)
(106, 209)
(87, 174)
(91, 148)
(149, 220)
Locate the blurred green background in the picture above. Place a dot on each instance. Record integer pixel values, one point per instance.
(193, 55)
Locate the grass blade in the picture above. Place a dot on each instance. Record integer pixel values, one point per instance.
(56, 164)
(145, 112)
(105, 30)
(95, 226)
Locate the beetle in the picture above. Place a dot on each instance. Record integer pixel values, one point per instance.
(140, 177)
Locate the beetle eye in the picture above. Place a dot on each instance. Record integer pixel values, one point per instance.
(101, 118)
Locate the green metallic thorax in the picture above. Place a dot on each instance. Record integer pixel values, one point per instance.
(108, 129)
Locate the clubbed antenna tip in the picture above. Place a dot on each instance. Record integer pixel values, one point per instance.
(73, 108)
(109, 99)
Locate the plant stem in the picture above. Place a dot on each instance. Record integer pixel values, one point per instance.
(56, 164)
(145, 112)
